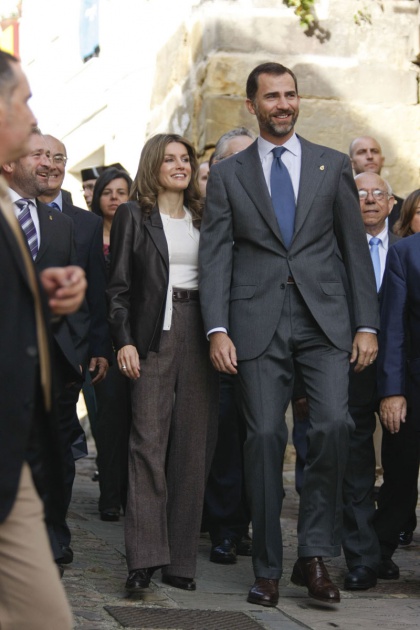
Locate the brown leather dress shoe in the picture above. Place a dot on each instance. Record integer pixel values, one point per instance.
(311, 572)
(264, 592)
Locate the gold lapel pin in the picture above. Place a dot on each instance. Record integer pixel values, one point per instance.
(51, 217)
(321, 168)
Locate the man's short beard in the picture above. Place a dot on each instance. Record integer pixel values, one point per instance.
(280, 133)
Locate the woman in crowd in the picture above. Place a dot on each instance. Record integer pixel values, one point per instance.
(113, 394)
(157, 329)
(409, 221)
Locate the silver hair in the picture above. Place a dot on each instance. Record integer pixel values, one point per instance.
(220, 147)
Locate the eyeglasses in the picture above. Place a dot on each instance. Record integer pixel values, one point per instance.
(59, 158)
(88, 187)
(378, 194)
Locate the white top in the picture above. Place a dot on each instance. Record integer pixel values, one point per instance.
(182, 238)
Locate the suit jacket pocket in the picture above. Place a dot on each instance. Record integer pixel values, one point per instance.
(332, 288)
(242, 292)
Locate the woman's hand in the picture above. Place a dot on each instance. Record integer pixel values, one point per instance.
(129, 362)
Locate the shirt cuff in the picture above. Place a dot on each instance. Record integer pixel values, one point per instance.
(213, 330)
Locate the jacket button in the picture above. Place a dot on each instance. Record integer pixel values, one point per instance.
(282, 286)
(32, 351)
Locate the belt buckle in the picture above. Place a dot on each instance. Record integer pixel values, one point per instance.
(182, 295)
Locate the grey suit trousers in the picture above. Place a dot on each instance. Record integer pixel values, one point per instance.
(172, 439)
(266, 388)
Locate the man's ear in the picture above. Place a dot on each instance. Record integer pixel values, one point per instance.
(8, 167)
(250, 106)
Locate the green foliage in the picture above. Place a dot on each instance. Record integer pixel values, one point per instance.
(364, 15)
(304, 11)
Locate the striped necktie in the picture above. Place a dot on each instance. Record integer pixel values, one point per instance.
(28, 226)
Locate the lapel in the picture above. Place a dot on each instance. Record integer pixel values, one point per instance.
(46, 218)
(66, 209)
(392, 238)
(249, 172)
(312, 173)
(154, 226)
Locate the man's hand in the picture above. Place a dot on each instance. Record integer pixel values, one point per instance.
(129, 361)
(102, 365)
(223, 353)
(392, 412)
(365, 350)
(65, 287)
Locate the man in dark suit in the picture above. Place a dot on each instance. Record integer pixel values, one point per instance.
(31, 593)
(27, 178)
(360, 542)
(94, 347)
(269, 277)
(94, 344)
(399, 390)
(366, 156)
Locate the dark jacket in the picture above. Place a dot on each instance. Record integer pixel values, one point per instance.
(90, 323)
(57, 249)
(138, 279)
(22, 414)
(399, 340)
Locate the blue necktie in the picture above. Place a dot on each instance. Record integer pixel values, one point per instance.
(282, 196)
(54, 205)
(28, 226)
(374, 254)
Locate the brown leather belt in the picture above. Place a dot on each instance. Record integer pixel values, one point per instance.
(290, 280)
(184, 295)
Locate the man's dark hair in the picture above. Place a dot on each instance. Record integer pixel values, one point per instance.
(8, 80)
(270, 67)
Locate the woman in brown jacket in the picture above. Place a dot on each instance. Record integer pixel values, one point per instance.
(158, 332)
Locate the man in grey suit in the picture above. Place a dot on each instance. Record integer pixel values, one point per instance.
(271, 293)
(360, 542)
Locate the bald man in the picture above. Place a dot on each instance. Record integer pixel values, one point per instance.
(366, 156)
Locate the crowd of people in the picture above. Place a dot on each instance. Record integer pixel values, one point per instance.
(197, 302)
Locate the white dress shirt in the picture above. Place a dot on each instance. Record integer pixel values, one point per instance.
(291, 158)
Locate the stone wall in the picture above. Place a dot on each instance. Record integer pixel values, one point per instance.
(353, 79)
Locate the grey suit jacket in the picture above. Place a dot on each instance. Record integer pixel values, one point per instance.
(244, 264)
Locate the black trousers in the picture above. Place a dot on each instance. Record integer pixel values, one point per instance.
(398, 494)
(226, 510)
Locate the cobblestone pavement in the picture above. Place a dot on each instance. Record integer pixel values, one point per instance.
(96, 578)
